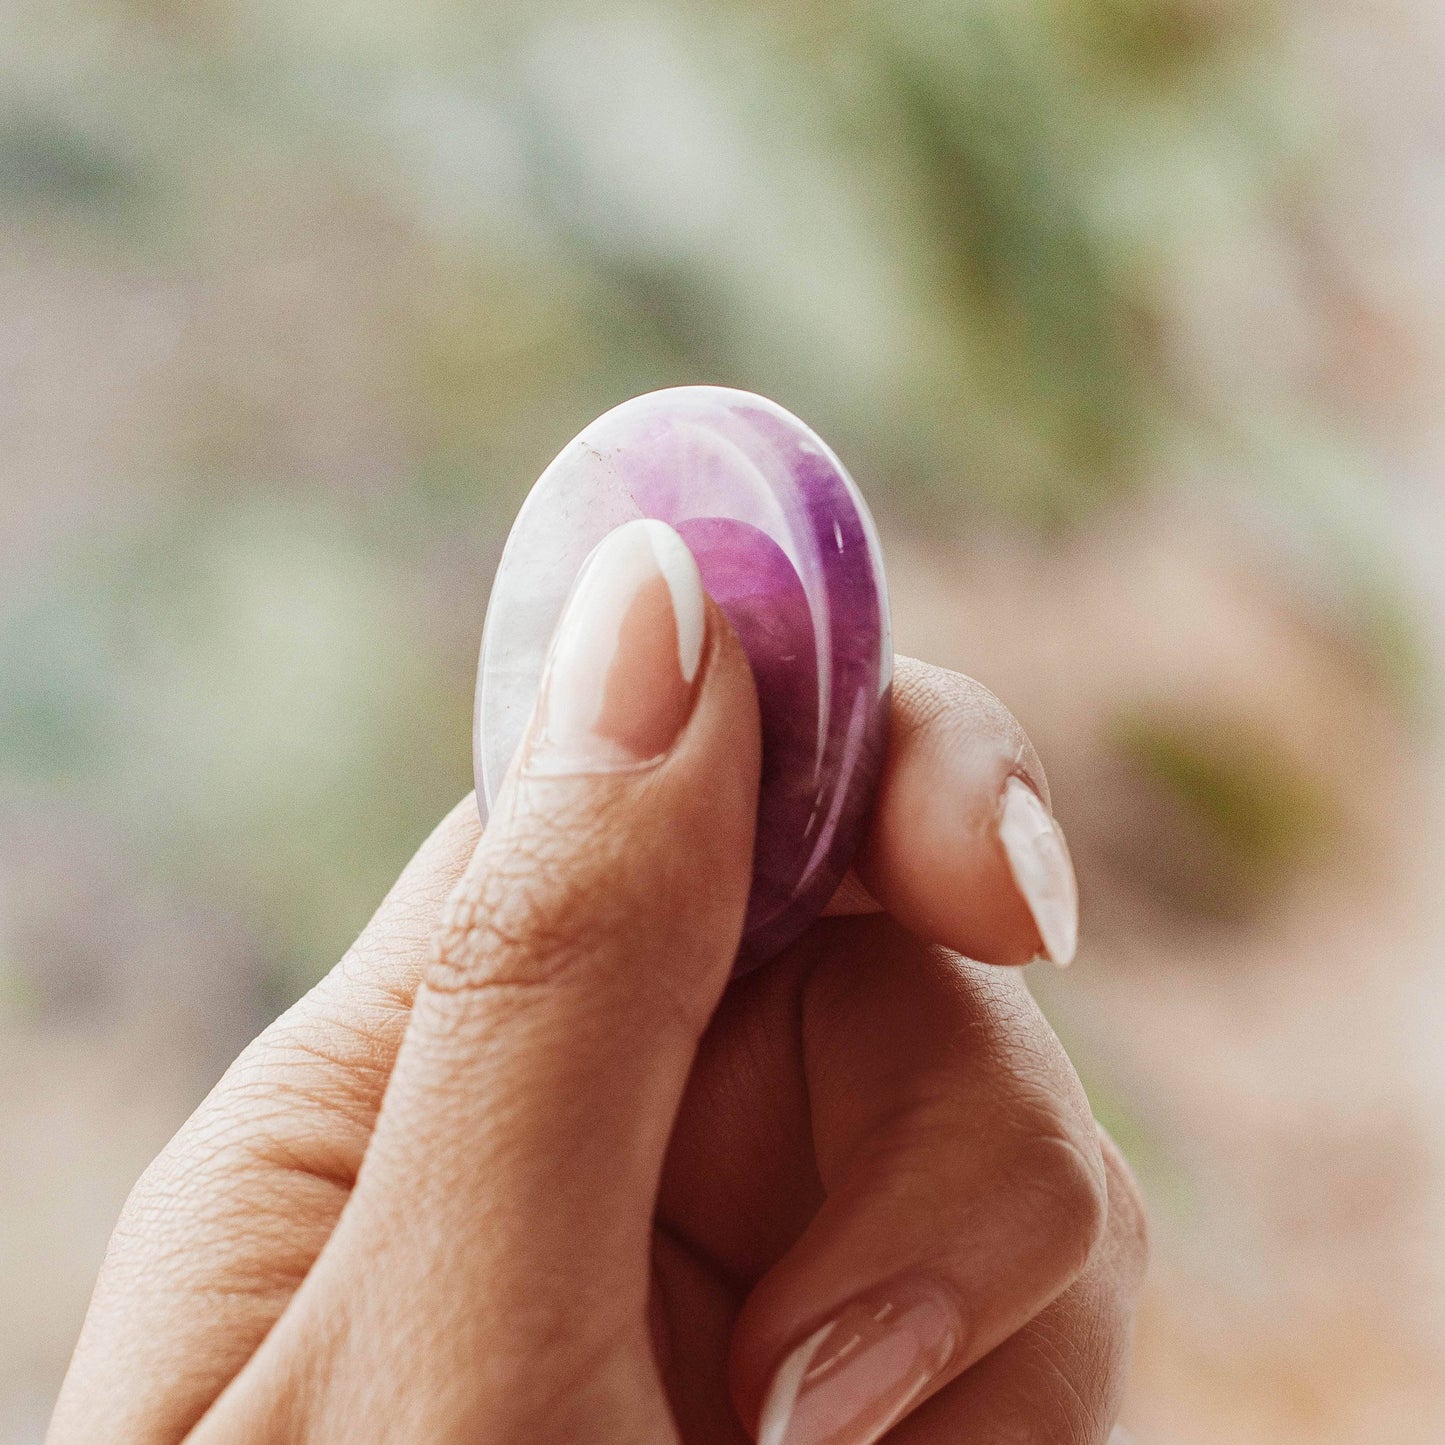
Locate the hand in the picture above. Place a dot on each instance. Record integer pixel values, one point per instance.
(525, 1168)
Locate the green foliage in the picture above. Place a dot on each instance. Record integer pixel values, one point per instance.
(47, 158)
(55, 662)
(1002, 132)
(389, 258)
(1158, 42)
(1267, 813)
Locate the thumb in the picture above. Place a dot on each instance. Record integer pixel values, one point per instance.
(586, 947)
(506, 1198)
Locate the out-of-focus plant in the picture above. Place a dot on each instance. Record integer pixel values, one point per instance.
(1251, 814)
(410, 249)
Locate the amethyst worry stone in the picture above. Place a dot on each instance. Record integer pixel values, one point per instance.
(787, 549)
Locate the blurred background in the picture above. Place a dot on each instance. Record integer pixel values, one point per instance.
(1129, 317)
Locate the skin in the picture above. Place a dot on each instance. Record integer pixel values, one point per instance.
(525, 1167)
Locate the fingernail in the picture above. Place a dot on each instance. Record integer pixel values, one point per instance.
(619, 682)
(1039, 860)
(853, 1380)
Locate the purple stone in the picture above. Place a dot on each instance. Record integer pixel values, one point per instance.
(787, 548)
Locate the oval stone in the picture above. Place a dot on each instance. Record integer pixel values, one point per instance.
(787, 549)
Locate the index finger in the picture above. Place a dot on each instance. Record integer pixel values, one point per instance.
(228, 1219)
(963, 848)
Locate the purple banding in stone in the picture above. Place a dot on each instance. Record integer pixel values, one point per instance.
(787, 549)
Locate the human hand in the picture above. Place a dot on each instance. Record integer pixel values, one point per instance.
(525, 1167)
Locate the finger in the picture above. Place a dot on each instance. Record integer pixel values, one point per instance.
(695, 1312)
(962, 847)
(512, 1173)
(964, 1190)
(228, 1218)
(1060, 1379)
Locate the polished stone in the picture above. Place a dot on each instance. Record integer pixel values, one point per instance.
(786, 547)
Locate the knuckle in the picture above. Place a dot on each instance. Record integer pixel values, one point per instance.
(1062, 1190)
(523, 914)
(1128, 1212)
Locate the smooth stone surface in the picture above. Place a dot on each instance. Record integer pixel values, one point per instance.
(787, 548)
